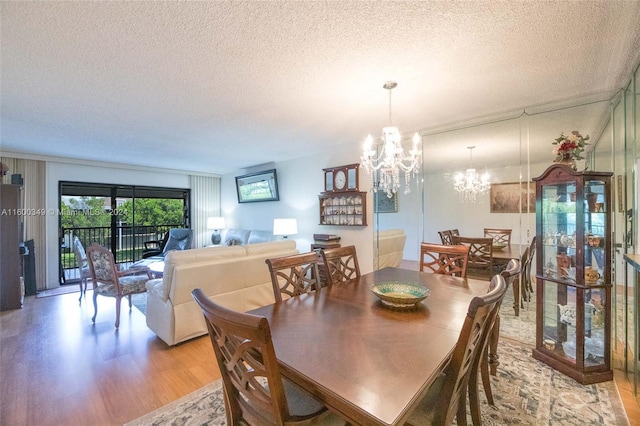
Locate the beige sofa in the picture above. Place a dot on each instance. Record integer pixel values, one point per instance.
(388, 248)
(236, 277)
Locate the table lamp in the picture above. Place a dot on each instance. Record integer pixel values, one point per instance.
(215, 223)
(285, 227)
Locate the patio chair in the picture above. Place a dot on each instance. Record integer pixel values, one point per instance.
(83, 265)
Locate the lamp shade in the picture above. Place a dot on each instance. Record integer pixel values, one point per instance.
(215, 223)
(285, 227)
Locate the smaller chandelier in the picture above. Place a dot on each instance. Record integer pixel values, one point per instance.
(386, 167)
(470, 184)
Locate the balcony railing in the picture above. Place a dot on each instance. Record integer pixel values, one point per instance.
(128, 240)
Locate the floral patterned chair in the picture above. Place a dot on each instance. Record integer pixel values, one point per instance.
(109, 281)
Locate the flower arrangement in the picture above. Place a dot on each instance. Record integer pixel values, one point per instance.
(571, 146)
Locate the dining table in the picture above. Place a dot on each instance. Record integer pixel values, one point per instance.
(368, 362)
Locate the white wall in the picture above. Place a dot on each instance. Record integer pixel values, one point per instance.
(300, 181)
(62, 171)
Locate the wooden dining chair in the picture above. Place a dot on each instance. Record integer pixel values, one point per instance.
(444, 259)
(341, 264)
(255, 393)
(111, 282)
(480, 261)
(499, 236)
(454, 232)
(294, 275)
(445, 237)
(487, 356)
(446, 398)
(526, 274)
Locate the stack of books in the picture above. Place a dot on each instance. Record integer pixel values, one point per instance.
(326, 241)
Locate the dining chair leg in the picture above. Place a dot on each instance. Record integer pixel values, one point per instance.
(493, 347)
(486, 380)
(474, 400)
(461, 415)
(516, 297)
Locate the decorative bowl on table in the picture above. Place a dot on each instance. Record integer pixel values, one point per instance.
(399, 294)
(497, 246)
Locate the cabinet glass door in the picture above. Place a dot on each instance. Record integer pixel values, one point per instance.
(559, 231)
(595, 222)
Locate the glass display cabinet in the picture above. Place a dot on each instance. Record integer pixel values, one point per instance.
(573, 275)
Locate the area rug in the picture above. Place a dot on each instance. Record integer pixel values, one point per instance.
(526, 392)
(521, 328)
(139, 300)
(63, 289)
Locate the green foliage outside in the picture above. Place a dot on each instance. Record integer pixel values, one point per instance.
(84, 212)
(90, 212)
(154, 211)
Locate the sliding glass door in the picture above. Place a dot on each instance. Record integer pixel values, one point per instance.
(120, 217)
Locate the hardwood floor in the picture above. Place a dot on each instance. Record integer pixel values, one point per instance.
(57, 368)
(60, 369)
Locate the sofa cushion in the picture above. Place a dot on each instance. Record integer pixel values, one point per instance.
(239, 236)
(270, 247)
(186, 257)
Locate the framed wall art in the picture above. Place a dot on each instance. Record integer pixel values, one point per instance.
(260, 186)
(384, 204)
(513, 197)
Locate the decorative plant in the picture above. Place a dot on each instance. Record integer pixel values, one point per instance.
(571, 146)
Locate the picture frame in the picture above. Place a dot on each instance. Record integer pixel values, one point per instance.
(384, 204)
(256, 187)
(512, 197)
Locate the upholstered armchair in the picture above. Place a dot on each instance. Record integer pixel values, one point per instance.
(109, 281)
(178, 239)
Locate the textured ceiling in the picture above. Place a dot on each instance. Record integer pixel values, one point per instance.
(216, 86)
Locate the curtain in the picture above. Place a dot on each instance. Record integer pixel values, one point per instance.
(205, 202)
(33, 176)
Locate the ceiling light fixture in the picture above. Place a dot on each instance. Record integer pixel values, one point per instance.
(386, 166)
(470, 184)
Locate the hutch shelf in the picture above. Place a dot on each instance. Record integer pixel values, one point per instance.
(573, 278)
(343, 208)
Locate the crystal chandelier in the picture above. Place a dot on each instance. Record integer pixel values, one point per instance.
(470, 184)
(386, 166)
